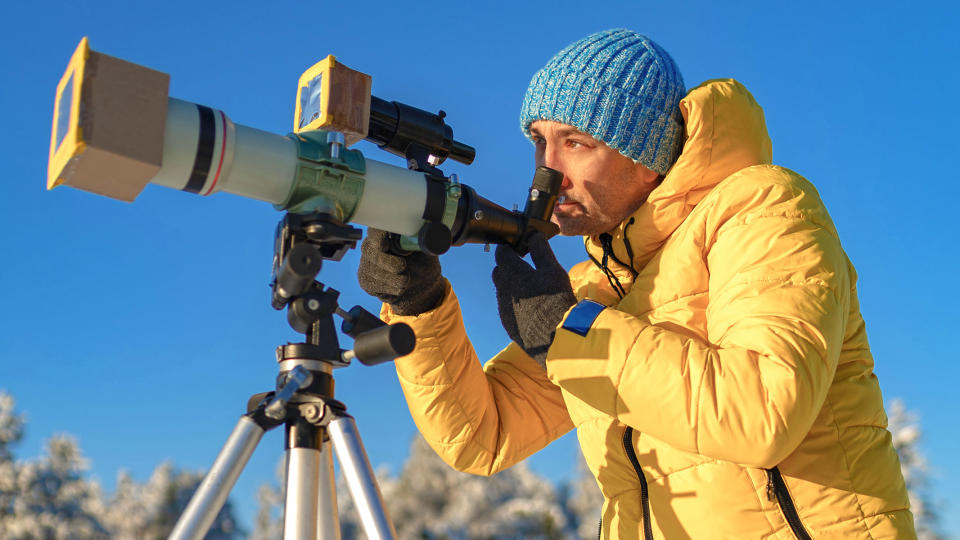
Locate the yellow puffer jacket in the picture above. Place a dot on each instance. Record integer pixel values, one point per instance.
(727, 389)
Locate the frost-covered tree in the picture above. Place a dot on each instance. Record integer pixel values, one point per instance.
(49, 497)
(150, 510)
(582, 501)
(430, 500)
(53, 497)
(907, 433)
(11, 426)
(268, 524)
(11, 431)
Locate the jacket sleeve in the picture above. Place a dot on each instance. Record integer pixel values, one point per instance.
(479, 419)
(778, 291)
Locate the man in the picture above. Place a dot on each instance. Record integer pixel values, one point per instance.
(710, 353)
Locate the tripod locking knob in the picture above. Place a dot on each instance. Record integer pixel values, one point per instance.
(298, 378)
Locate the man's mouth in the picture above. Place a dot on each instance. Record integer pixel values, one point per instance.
(564, 202)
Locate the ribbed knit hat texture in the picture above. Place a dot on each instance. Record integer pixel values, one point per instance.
(618, 86)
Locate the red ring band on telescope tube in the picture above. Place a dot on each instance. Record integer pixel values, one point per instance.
(223, 150)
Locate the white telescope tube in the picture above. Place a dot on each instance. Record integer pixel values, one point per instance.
(393, 199)
(204, 152)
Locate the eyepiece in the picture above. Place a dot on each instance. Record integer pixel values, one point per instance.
(543, 193)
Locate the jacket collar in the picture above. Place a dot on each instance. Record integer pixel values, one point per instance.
(725, 132)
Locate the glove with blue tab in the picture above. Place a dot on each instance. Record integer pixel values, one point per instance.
(532, 299)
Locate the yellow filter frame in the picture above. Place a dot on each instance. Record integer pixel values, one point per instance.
(333, 97)
(324, 117)
(66, 140)
(109, 117)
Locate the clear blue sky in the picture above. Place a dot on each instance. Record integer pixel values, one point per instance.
(142, 328)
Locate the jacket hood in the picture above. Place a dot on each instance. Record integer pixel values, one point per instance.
(725, 132)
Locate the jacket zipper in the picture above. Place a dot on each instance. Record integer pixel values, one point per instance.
(777, 490)
(776, 487)
(644, 495)
(606, 242)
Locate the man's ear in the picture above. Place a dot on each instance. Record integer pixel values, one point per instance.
(648, 176)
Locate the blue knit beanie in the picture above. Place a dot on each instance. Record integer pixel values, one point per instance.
(618, 86)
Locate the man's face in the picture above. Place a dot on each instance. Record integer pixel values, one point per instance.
(601, 186)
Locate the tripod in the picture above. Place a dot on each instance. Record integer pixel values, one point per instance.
(315, 423)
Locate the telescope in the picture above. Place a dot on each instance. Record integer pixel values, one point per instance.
(116, 129)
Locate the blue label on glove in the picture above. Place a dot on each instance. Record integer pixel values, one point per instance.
(582, 316)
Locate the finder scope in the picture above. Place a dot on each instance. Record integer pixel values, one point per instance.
(402, 130)
(116, 129)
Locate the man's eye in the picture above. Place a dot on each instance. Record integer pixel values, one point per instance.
(574, 144)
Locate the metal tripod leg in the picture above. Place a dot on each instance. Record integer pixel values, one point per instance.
(310, 500)
(213, 491)
(328, 517)
(361, 482)
(310, 507)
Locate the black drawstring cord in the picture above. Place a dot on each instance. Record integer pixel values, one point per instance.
(605, 242)
(626, 244)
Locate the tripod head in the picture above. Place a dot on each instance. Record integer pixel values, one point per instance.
(304, 401)
(302, 242)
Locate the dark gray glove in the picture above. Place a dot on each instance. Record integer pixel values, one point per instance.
(411, 284)
(532, 301)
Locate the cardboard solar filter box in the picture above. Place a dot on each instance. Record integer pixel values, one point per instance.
(108, 125)
(331, 96)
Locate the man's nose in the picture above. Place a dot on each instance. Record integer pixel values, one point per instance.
(541, 159)
(549, 158)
